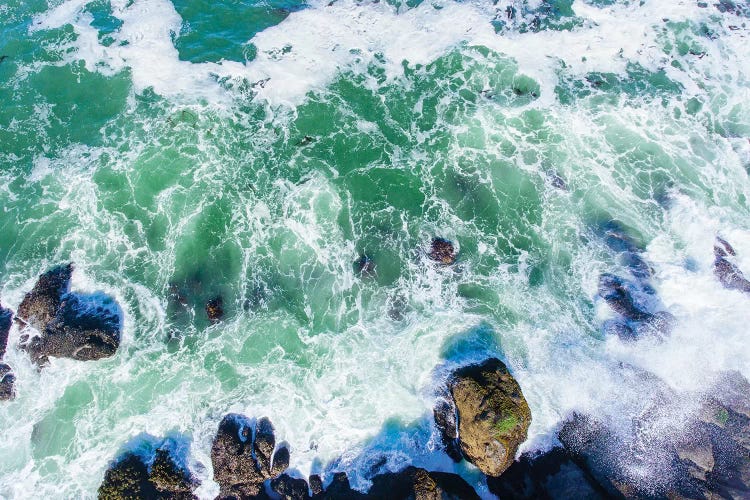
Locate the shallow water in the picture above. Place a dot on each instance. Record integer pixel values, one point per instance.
(255, 150)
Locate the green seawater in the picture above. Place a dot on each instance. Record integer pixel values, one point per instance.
(165, 202)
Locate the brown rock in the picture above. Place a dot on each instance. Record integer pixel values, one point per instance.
(442, 251)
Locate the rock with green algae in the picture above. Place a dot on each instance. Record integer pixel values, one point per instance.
(493, 416)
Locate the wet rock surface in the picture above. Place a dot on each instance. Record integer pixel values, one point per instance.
(130, 478)
(442, 251)
(493, 416)
(419, 484)
(242, 459)
(215, 309)
(70, 325)
(7, 379)
(726, 270)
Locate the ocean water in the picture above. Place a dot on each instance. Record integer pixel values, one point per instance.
(255, 150)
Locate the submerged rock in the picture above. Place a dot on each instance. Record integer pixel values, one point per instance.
(618, 293)
(130, 478)
(6, 319)
(493, 416)
(7, 379)
(71, 325)
(364, 266)
(727, 271)
(442, 251)
(215, 309)
(243, 462)
(413, 483)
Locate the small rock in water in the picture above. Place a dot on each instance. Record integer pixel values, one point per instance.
(442, 251)
(7, 379)
(493, 416)
(618, 293)
(215, 309)
(6, 320)
(290, 488)
(727, 271)
(364, 266)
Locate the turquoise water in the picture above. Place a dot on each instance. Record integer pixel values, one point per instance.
(255, 150)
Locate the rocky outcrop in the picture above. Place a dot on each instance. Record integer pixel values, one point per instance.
(413, 483)
(492, 415)
(70, 325)
(7, 379)
(39, 306)
(242, 459)
(552, 474)
(442, 251)
(727, 271)
(290, 488)
(130, 478)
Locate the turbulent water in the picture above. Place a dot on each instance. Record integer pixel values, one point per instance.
(256, 149)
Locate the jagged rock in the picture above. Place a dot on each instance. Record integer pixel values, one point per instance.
(6, 319)
(70, 325)
(316, 485)
(727, 271)
(413, 483)
(7, 379)
(127, 479)
(215, 309)
(340, 489)
(442, 251)
(40, 305)
(130, 478)
(290, 488)
(493, 416)
(550, 475)
(169, 479)
(80, 330)
(242, 464)
(444, 413)
(618, 293)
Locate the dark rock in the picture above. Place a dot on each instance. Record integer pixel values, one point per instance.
(40, 305)
(493, 416)
(316, 485)
(364, 266)
(6, 319)
(622, 330)
(127, 479)
(618, 293)
(83, 328)
(130, 478)
(545, 477)
(242, 464)
(727, 271)
(215, 309)
(7, 379)
(445, 420)
(280, 461)
(442, 251)
(340, 489)
(413, 483)
(637, 265)
(617, 238)
(290, 488)
(169, 479)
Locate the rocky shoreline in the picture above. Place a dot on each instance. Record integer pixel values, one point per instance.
(480, 414)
